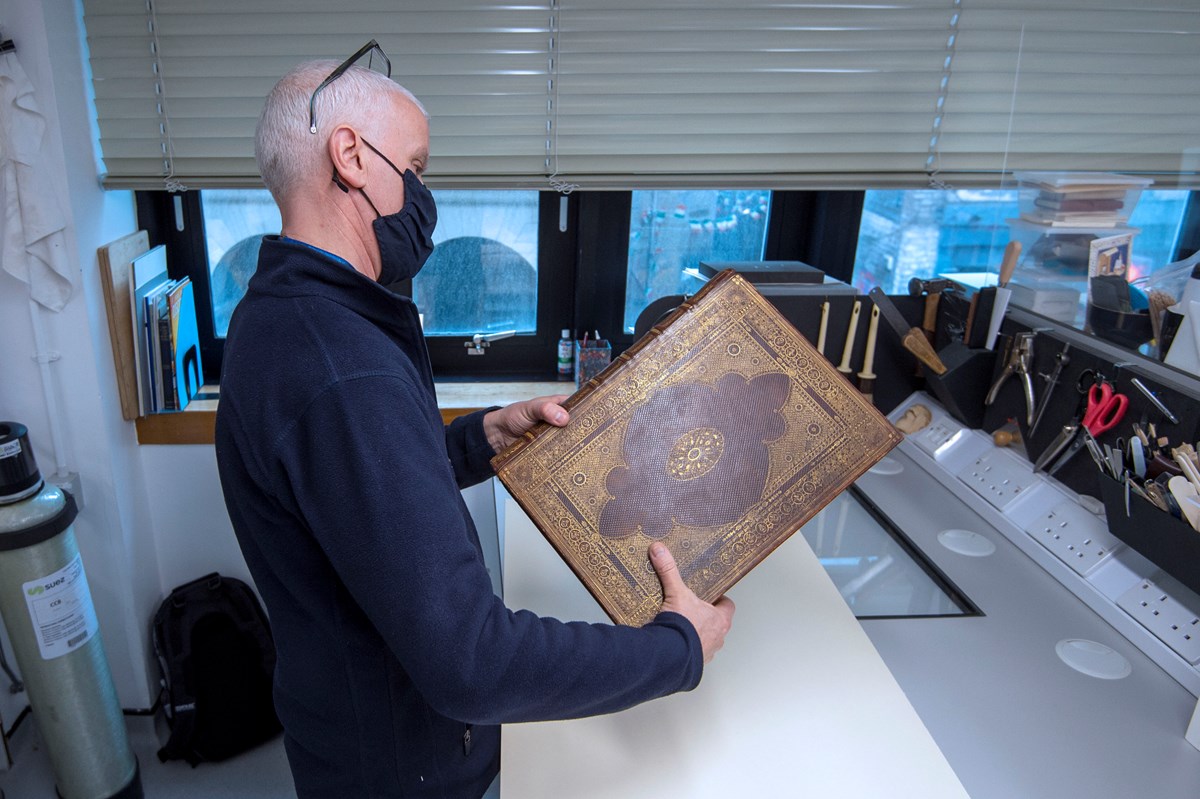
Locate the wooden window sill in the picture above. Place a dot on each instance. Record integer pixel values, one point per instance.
(197, 424)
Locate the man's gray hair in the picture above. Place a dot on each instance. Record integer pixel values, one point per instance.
(286, 152)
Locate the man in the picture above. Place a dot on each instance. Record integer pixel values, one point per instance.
(396, 663)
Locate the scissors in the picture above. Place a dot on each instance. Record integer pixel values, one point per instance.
(1104, 410)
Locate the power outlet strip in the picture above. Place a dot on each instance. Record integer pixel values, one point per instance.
(1076, 537)
(1172, 623)
(939, 436)
(998, 478)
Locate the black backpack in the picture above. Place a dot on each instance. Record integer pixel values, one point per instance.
(217, 657)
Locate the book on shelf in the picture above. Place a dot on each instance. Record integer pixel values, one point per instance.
(164, 355)
(1100, 220)
(1080, 205)
(187, 374)
(165, 335)
(720, 432)
(156, 310)
(148, 275)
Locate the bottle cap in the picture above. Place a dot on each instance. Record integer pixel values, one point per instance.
(566, 333)
(19, 476)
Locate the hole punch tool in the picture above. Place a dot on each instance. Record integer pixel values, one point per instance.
(1018, 362)
(1104, 409)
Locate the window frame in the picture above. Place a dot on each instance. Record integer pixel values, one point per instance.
(527, 356)
(581, 271)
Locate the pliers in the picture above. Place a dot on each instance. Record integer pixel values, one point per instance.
(1019, 362)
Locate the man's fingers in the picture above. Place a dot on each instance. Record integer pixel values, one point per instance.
(668, 573)
(548, 409)
(727, 608)
(553, 413)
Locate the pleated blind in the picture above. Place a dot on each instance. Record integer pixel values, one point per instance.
(676, 93)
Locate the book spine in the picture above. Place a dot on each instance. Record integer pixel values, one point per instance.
(166, 362)
(513, 449)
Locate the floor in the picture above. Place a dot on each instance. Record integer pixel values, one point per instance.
(261, 773)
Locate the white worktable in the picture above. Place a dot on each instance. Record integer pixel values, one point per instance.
(798, 703)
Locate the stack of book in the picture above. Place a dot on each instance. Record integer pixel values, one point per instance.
(1078, 200)
(166, 339)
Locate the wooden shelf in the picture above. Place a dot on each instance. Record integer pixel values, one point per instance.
(188, 427)
(197, 425)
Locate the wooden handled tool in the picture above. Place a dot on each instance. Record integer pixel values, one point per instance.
(824, 327)
(911, 337)
(866, 378)
(851, 333)
(1012, 254)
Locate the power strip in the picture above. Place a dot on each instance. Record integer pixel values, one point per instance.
(1171, 622)
(1074, 535)
(998, 478)
(1069, 540)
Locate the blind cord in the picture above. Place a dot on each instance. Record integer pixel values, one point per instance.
(552, 62)
(170, 182)
(933, 162)
(1012, 110)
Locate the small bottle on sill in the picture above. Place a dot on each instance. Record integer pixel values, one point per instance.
(566, 355)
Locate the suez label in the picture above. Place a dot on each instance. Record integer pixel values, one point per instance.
(61, 610)
(9, 448)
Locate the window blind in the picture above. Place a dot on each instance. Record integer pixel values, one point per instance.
(676, 93)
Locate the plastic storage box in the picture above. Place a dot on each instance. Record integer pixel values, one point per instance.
(1078, 199)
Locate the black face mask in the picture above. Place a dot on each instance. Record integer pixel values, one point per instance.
(405, 238)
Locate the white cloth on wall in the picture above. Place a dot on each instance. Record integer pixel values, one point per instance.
(32, 236)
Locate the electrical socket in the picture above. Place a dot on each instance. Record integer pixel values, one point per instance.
(1075, 536)
(938, 436)
(1171, 622)
(998, 478)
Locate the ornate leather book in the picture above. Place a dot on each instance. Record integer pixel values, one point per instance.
(720, 432)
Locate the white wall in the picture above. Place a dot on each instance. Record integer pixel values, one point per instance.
(114, 527)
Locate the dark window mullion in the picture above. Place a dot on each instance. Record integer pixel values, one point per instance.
(603, 263)
(187, 256)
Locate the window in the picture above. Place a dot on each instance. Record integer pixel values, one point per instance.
(530, 262)
(673, 231)
(921, 233)
(235, 221)
(482, 275)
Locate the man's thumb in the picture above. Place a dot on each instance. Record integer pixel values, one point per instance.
(668, 573)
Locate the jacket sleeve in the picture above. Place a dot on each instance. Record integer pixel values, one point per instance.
(372, 479)
(468, 449)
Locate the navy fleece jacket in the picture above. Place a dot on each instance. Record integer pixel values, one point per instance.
(396, 663)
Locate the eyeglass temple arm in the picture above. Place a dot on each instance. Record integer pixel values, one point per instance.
(337, 73)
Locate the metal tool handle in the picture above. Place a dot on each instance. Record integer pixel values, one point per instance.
(1000, 381)
(1027, 382)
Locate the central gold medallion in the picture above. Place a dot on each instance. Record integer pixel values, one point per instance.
(695, 453)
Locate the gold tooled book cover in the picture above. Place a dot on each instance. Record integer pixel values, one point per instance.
(720, 432)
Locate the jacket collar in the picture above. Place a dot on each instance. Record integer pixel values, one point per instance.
(291, 268)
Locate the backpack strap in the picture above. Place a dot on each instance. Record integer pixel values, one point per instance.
(179, 744)
(176, 616)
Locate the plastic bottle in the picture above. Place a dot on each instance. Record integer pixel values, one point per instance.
(566, 355)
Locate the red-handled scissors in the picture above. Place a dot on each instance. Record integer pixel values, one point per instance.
(1105, 408)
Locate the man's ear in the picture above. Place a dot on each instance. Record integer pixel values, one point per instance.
(345, 151)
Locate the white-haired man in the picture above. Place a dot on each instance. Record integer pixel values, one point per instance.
(396, 663)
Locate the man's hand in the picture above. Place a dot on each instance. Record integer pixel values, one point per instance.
(506, 425)
(711, 621)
